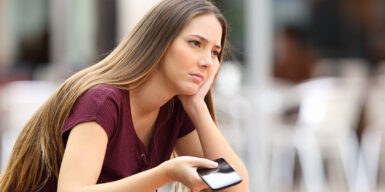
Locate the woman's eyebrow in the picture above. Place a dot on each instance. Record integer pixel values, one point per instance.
(205, 40)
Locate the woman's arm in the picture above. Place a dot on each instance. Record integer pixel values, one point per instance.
(83, 160)
(211, 140)
(214, 145)
(207, 140)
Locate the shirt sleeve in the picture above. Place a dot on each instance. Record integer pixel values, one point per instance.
(187, 125)
(99, 105)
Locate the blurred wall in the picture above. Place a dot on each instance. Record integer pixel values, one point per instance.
(130, 12)
(2, 50)
(73, 34)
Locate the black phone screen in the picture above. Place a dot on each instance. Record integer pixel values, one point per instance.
(221, 177)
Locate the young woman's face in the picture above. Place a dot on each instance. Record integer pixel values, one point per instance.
(193, 55)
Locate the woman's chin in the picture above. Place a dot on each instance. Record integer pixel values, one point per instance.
(190, 90)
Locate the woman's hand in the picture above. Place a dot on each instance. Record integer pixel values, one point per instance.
(184, 169)
(188, 101)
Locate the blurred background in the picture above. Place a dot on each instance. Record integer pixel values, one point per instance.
(300, 96)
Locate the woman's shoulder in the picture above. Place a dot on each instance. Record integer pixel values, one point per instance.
(103, 94)
(105, 90)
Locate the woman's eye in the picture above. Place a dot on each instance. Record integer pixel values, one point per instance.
(195, 43)
(215, 53)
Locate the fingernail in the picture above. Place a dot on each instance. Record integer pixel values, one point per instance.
(214, 164)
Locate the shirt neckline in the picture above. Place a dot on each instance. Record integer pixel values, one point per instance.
(143, 148)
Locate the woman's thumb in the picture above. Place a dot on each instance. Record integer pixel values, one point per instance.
(206, 163)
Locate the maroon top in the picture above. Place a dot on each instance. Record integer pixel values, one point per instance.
(126, 154)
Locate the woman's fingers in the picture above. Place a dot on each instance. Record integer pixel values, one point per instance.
(206, 163)
(184, 170)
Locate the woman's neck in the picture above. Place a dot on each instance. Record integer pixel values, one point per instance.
(150, 95)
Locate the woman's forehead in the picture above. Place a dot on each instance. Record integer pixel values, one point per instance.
(206, 26)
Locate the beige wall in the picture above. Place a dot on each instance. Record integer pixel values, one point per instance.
(2, 50)
(73, 32)
(130, 12)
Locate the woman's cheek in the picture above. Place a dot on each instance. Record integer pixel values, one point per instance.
(183, 54)
(214, 69)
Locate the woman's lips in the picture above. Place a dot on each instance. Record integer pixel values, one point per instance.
(197, 77)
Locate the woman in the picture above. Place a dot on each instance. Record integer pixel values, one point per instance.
(114, 125)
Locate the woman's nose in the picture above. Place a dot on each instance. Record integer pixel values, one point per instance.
(206, 60)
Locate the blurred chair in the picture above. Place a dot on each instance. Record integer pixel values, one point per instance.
(373, 142)
(18, 101)
(281, 108)
(341, 67)
(323, 137)
(231, 107)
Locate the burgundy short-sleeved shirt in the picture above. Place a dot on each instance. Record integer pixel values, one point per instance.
(126, 154)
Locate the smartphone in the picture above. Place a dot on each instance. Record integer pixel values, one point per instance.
(221, 177)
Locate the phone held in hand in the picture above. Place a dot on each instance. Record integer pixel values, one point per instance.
(221, 177)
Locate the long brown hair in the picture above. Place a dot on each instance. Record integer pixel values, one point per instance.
(38, 151)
